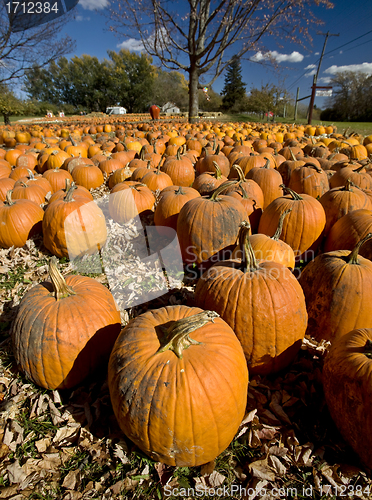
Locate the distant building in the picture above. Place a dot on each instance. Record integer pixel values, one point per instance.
(170, 109)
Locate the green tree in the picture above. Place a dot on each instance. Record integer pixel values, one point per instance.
(234, 88)
(10, 105)
(133, 78)
(170, 86)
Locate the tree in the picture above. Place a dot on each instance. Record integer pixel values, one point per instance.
(85, 82)
(169, 86)
(34, 47)
(351, 100)
(270, 98)
(234, 88)
(9, 104)
(196, 38)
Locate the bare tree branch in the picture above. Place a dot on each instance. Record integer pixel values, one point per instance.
(195, 36)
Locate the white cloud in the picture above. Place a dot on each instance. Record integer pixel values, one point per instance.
(310, 73)
(132, 45)
(273, 54)
(81, 18)
(316, 53)
(137, 45)
(311, 66)
(93, 4)
(341, 52)
(363, 68)
(324, 79)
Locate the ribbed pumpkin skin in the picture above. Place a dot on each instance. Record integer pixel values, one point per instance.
(265, 308)
(206, 227)
(73, 228)
(338, 294)
(182, 412)
(348, 230)
(347, 384)
(339, 201)
(18, 222)
(53, 340)
(302, 228)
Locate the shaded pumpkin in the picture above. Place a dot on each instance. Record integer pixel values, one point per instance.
(207, 227)
(338, 286)
(130, 199)
(262, 302)
(19, 220)
(64, 330)
(348, 390)
(170, 202)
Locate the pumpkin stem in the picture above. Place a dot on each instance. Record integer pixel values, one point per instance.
(295, 196)
(70, 192)
(279, 229)
(218, 170)
(8, 198)
(267, 164)
(311, 165)
(368, 349)
(249, 262)
(30, 174)
(61, 290)
(353, 255)
(221, 188)
(292, 154)
(180, 190)
(177, 335)
(239, 171)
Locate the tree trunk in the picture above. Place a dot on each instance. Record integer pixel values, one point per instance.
(193, 94)
(6, 119)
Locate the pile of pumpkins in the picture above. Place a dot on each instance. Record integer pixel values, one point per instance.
(250, 205)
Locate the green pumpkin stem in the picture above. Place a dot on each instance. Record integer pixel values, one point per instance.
(177, 335)
(368, 349)
(295, 196)
(61, 290)
(353, 255)
(279, 229)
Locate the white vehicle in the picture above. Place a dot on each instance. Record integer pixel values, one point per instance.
(116, 110)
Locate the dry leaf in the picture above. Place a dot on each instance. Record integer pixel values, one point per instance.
(72, 479)
(43, 444)
(277, 465)
(216, 479)
(261, 470)
(207, 468)
(67, 434)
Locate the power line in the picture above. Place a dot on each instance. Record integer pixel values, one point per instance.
(347, 43)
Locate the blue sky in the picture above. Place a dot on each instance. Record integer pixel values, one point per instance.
(350, 50)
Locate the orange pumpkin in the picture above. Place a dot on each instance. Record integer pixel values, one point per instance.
(51, 345)
(180, 348)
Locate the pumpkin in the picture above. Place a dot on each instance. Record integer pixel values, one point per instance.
(348, 389)
(262, 302)
(19, 220)
(178, 384)
(309, 179)
(271, 247)
(179, 169)
(130, 199)
(302, 228)
(208, 226)
(89, 176)
(209, 181)
(79, 191)
(338, 286)
(64, 330)
(339, 201)
(6, 184)
(73, 227)
(170, 202)
(349, 230)
(57, 178)
(269, 180)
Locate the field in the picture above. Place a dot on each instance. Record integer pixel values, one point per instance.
(67, 444)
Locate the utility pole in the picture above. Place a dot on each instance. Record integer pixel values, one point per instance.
(313, 88)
